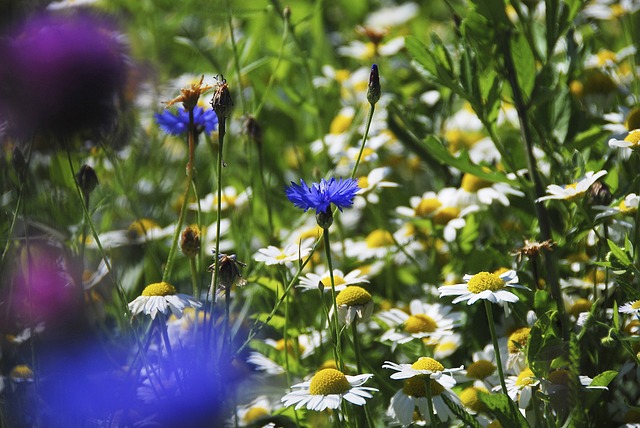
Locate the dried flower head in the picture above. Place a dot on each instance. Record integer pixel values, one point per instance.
(189, 96)
(532, 249)
(190, 241)
(229, 271)
(222, 102)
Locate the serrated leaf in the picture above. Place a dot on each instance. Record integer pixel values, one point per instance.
(604, 378)
(499, 405)
(463, 414)
(420, 54)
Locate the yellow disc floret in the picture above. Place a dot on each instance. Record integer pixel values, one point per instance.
(445, 215)
(329, 381)
(518, 339)
(472, 183)
(633, 137)
(469, 397)
(379, 238)
(525, 378)
(480, 369)
(427, 206)
(427, 363)
(420, 323)
(352, 296)
(416, 387)
(579, 306)
(485, 281)
(159, 289)
(633, 119)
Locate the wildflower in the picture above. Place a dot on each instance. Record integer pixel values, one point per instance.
(630, 141)
(327, 388)
(484, 285)
(87, 180)
(61, 73)
(291, 253)
(230, 199)
(222, 101)
(414, 392)
(373, 91)
(161, 297)
(516, 346)
(372, 183)
(377, 244)
(354, 304)
(425, 321)
(631, 308)
(321, 195)
(190, 241)
(470, 398)
(476, 190)
(532, 249)
(627, 206)
(253, 413)
(520, 387)
(189, 96)
(312, 281)
(572, 191)
(178, 123)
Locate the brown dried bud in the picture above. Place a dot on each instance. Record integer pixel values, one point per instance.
(599, 194)
(253, 130)
(87, 179)
(222, 102)
(229, 272)
(190, 241)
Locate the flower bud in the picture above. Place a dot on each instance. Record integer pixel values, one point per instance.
(190, 241)
(222, 102)
(87, 179)
(373, 91)
(253, 129)
(324, 218)
(599, 194)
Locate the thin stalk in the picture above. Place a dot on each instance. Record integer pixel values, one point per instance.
(234, 49)
(372, 109)
(185, 201)
(494, 339)
(356, 344)
(336, 331)
(433, 418)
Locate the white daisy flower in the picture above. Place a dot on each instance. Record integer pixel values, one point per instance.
(520, 388)
(371, 184)
(574, 190)
(326, 390)
(631, 308)
(277, 256)
(484, 285)
(483, 368)
(376, 245)
(628, 206)
(311, 281)
(139, 232)
(414, 392)
(306, 344)
(631, 141)
(354, 303)
(265, 364)
(230, 199)
(393, 16)
(513, 349)
(161, 297)
(425, 321)
(475, 190)
(252, 413)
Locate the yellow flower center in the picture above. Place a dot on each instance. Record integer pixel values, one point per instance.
(159, 289)
(329, 381)
(379, 238)
(342, 75)
(605, 56)
(255, 413)
(598, 82)
(427, 207)
(353, 295)
(141, 227)
(518, 339)
(420, 323)
(633, 137)
(633, 119)
(480, 369)
(337, 280)
(469, 397)
(485, 281)
(340, 123)
(560, 377)
(230, 200)
(525, 378)
(291, 344)
(363, 182)
(427, 363)
(625, 209)
(580, 305)
(636, 304)
(21, 372)
(445, 215)
(472, 183)
(416, 387)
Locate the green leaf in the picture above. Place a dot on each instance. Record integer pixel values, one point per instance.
(499, 405)
(493, 10)
(604, 378)
(618, 253)
(463, 414)
(524, 62)
(420, 54)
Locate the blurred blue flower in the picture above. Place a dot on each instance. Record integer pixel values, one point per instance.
(321, 195)
(178, 123)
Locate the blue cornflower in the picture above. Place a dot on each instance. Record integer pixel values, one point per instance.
(178, 123)
(321, 195)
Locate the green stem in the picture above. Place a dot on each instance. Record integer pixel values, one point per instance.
(236, 58)
(433, 418)
(372, 109)
(334, 321)
(185, 201)
(496, 348)
(356, 344)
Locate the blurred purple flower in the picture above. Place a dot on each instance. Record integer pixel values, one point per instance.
(60, 74)
(178, 123)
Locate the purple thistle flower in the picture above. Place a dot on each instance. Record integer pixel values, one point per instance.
(178, 123)
(321, 195)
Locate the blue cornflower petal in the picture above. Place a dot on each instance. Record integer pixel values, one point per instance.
(178, 123)
(321, 195)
